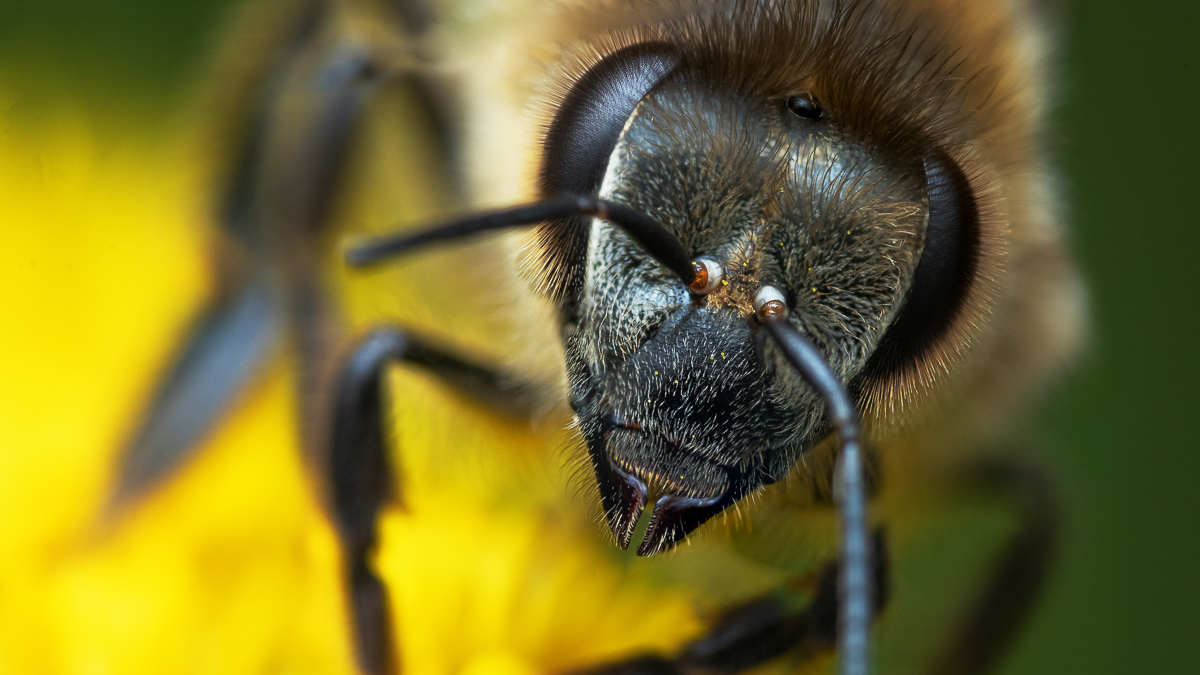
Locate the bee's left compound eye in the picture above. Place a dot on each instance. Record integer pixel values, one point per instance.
(709, 274)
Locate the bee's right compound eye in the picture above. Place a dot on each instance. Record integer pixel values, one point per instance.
(709, 275)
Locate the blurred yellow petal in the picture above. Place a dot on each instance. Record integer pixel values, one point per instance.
(231, 568)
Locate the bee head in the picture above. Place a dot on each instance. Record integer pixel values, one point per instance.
(681, 398)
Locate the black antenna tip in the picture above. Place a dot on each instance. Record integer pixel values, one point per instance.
(365, 253)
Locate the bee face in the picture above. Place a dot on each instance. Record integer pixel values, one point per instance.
(681, 399)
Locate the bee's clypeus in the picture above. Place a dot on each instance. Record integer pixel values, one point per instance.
(758, 223)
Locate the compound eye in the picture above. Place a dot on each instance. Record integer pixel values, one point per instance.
(804, 105)
(770, 304)
(709, 274)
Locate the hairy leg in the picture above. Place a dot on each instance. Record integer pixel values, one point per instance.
(360, 471)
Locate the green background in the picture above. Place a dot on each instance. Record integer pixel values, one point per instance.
(1126, 598)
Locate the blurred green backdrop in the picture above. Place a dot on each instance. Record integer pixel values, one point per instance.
(1126, 598)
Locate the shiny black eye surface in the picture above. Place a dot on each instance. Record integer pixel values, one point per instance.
(804, 105)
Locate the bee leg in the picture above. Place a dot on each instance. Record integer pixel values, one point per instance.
(992, 620)
(360, 473)
(294, 126)
(322, 93)
(228, 343)
(748, 635)
(361, 482)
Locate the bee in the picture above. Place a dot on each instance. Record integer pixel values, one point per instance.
(787, 246)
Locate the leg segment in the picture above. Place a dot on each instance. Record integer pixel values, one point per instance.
(292, 120)
(1004, 602)
(361, 483)
(360, 471)
(760, 630)
(229, 342)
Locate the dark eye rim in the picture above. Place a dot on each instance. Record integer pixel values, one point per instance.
(805, 106)
(944, 277)
(579, 140)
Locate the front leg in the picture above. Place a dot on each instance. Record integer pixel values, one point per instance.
(360, 472)
(748, 635)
